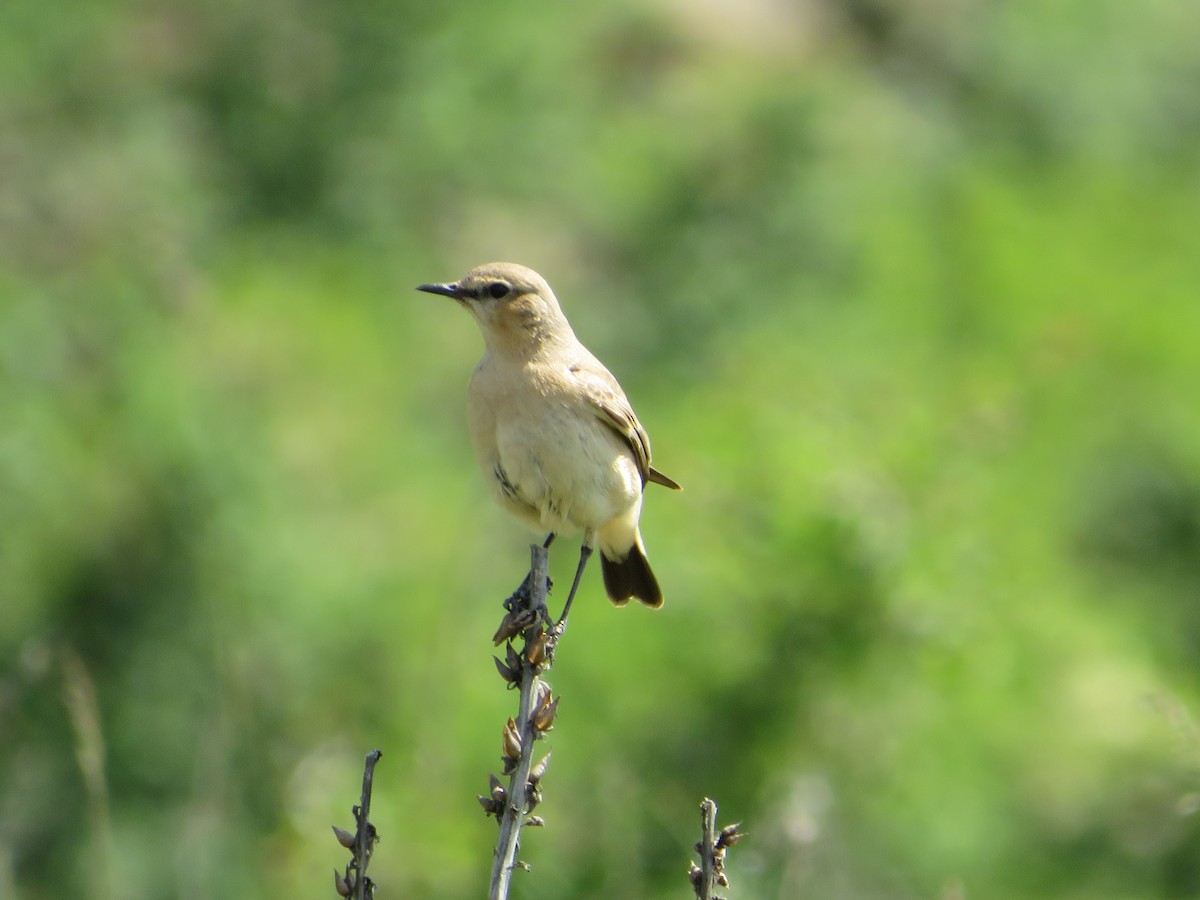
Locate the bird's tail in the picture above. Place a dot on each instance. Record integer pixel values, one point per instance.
(630, 577)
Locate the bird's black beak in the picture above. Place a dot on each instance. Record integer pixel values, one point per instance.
(446, 290)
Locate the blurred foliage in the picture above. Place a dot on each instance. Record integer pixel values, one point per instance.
(906, 293)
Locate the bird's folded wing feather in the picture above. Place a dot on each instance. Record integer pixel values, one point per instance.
(613, 409)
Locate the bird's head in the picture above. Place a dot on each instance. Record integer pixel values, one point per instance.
(512, 304)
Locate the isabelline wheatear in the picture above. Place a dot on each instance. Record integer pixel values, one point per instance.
(552, 429)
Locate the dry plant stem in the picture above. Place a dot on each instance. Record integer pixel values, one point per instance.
(708, 862)
(517, 797)
(362, 837)
(80, 696)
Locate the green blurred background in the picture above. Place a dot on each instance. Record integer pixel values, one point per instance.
(906, 293)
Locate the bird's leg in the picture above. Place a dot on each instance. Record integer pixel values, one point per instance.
(585, 553)
(521, 596)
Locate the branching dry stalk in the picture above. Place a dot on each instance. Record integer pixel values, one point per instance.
(354, 881)
(527, 616)
(710, 874)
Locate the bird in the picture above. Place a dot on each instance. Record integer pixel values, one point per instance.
(552, 430)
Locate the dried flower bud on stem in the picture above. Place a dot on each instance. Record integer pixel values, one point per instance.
(710, 874)
(526, 616)
(354, 881)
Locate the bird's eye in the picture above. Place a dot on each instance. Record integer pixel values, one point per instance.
(497, 289)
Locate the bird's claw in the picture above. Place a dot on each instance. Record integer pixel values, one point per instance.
(522, 597)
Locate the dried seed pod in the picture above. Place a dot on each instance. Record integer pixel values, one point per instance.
(535, 822)
(539, 769)
(512, 658)
(513, 624)
(533, 797)
(498, 791)
(730, 835)
(511, 743)
(505, 632)
(505, 672)
(535, 647)
(341, 885)
(542, 717)
(345, 838)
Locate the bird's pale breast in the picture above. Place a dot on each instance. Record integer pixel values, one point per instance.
(549, 458)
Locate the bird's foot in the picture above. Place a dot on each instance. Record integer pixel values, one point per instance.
(520, 613)
(518, 598)
(522, 597)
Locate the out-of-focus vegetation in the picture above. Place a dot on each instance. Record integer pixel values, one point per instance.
(907, 294)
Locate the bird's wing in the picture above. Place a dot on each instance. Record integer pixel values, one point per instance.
(613, 409)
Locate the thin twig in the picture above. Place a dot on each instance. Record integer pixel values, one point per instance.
(365, 836)
(517, 797)
(708, 846)
(354, 880)
(712, 847)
